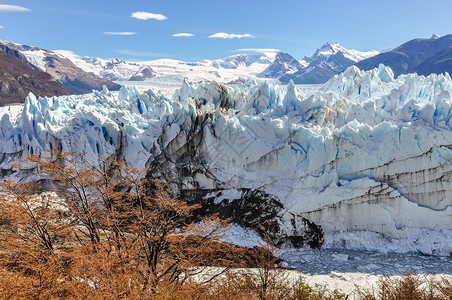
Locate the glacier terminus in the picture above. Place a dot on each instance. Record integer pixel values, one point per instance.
(362, 162)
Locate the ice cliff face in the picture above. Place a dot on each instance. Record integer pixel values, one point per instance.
(363, 163)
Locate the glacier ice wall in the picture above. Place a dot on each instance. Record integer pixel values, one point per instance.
(362, 162)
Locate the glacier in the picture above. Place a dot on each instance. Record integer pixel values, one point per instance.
(362, 162)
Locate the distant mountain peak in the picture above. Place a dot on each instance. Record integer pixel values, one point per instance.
(435, 36)
(328, 60)
(333, 46)
(326, 45)
(323, 53)
(284, 63)
(326, 49)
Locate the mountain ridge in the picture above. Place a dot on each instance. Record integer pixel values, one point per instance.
(420, 55)
(407, 57)
(327, 61)
(60, 68)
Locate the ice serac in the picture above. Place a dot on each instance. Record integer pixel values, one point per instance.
(362, 163)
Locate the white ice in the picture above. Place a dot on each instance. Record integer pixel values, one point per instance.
(367, 157)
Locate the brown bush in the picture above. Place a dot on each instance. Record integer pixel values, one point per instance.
(410, 287)
(104, 232)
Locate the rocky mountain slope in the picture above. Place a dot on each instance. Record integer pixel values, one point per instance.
(4, 48)
(61, 69)
(362, 163)
(18, 78)
(423, 56)
(440, 63)
(72, 77)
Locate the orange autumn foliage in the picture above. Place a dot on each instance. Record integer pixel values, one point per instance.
(101, 232)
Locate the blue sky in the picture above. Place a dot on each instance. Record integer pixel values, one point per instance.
(110, 29)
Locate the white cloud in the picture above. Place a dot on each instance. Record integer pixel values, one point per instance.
(223, 35)
(144, 15)
(15, 8)
(257, 50)
(1, 27)
(183, 34)
(119, 33)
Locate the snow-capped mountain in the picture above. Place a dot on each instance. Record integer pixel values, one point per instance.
(316, 68)
(221, 70)
(362, 163)
(327, 61)
(241, 60)
(423, 56)
(283, 64)
(113, 69)
(68, 67)
(327, 50)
